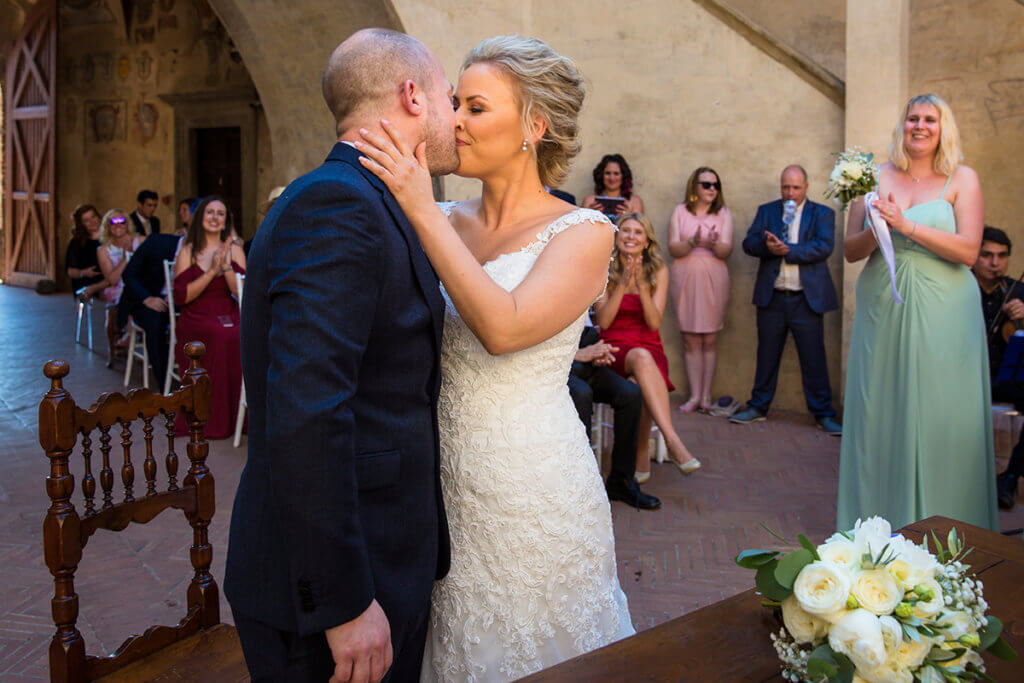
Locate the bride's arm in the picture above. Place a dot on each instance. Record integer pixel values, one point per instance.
(969, 208)
(568, 275)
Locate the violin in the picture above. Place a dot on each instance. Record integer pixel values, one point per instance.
(1002, 324)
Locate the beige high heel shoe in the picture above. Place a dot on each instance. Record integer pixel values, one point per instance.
(641, 477)
(689, 467)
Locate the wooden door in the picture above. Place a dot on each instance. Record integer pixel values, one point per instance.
(219, 167)
(30, 250)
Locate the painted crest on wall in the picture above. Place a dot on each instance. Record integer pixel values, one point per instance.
(106, 120)
(146, 115)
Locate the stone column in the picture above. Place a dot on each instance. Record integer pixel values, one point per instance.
(877, 49)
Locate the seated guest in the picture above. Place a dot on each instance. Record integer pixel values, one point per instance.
(629, 314)
(206, 291)
(591, 380)
(612, 178)
(142, 217)
(1003, 311)
(144, 297)
(184, 215)
(80, 262)
(117, 245)
(700, 241)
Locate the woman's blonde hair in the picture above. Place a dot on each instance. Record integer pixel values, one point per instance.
(949, 154)
(546, 84)
(653, 261)
(105, 237)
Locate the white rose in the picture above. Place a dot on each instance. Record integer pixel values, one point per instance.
(872, 535)
(836, 175)
(916, 556)
(892, 636)
(835, 617)
(859, 637)
(912, 652)
(905, 576)
(822, 588)
(877, 592)
(804, 627)
(854, 171)
(929, 609)
(956, 624)
(890, 672)
(842, 552)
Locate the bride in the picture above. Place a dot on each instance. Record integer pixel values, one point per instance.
(533, 578)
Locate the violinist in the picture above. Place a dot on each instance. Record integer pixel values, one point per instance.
(1003, 310)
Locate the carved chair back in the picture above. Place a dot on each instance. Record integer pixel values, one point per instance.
(66, 530)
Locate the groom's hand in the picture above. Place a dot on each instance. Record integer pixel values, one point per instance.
(362, 647)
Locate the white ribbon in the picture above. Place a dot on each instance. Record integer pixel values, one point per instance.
(881, 231)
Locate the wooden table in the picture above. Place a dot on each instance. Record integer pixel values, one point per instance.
(729, 641)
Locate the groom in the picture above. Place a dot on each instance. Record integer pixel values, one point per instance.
(338, 529)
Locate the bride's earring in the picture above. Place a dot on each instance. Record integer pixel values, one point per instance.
(524, 145)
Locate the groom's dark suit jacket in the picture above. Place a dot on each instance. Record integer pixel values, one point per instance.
(340, 500)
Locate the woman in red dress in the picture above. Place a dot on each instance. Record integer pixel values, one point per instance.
(205, 291)
(629, 315)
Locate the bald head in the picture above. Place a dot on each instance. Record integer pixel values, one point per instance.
(368, 69)
(794, 183)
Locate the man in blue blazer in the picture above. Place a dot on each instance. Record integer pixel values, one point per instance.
(792, 293)
(338, 530)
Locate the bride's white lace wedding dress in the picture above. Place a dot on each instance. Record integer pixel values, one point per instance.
(533, 578)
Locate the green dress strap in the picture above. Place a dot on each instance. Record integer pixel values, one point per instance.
(943, 193)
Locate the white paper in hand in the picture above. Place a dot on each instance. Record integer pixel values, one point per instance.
(881, 231)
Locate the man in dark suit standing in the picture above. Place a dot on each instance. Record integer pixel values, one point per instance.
(142, 217)
(145, 297)
(338, 529)
(793, 291)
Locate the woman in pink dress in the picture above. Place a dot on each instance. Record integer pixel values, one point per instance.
(205, 291)
(700, 241)
(629, 315)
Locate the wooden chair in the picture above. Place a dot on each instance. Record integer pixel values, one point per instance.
(199, 647)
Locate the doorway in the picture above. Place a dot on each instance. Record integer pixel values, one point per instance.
(218, 159)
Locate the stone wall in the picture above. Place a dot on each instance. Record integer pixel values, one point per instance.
(972, 55)
(115, 133)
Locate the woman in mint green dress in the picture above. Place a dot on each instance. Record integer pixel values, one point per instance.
(917, 433)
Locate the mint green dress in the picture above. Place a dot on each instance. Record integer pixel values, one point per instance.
(917, 424)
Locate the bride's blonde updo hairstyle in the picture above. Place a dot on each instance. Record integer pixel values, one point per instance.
(545, 84)
(949, 153)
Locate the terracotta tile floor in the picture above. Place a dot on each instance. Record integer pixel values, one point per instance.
(781, 472)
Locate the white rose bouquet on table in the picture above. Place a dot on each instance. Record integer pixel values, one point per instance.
(870, 606)
(855, 174)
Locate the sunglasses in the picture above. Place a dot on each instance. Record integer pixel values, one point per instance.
(117, 220)
(707, 186)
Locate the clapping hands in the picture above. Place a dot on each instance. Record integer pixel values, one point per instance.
(776, 246)
(705, 240)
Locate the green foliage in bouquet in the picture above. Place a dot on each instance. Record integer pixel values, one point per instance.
(873, 606)
(854, 175)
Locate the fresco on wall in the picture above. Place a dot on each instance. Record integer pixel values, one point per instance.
(105, 120)
(145, 63)
(146, 116)
(85, 13)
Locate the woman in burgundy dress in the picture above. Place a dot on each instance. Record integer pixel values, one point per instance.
(629, 315)
(205, 291)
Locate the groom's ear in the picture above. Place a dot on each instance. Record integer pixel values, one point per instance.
(412, 98)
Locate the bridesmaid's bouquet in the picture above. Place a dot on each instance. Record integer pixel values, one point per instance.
(869, 605)
(855, 174)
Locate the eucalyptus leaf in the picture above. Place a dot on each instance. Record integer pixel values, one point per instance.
(989, 633)
(767, 585)
(1002, 650)
(789, 567)
(846, 668)
(822, 662)
(752, 559)
(810, 546)
(911, 632)
(938, 654)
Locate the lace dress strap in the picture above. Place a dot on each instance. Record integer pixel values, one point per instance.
(575, 217)
(447, 207)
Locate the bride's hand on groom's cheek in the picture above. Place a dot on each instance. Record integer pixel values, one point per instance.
(401, 168)
(361, 648)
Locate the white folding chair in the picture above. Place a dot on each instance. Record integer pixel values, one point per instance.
(84, 307)
(603, 421)
(240, 420)
(172, 333)
(137, 339)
